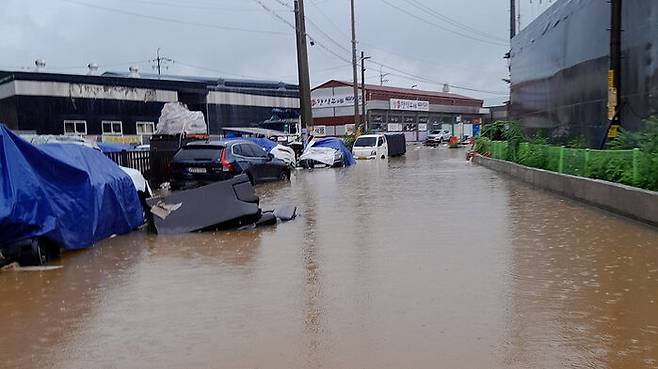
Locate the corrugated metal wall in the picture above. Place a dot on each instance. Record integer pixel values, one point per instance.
(559, 67)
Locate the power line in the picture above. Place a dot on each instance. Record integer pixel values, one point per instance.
(187, 5)
(424, 8)
(427, 80)
(402, 74)
(172, 20)
(440, 26)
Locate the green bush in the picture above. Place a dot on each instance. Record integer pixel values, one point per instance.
(483, 146)
(349, 141)
(505, 140)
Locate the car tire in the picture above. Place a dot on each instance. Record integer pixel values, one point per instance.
(284, 175)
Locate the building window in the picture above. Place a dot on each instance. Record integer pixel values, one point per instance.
(145, 128)
(112, 127)
(75, 127)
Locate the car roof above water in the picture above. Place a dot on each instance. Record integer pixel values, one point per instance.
(217, 143)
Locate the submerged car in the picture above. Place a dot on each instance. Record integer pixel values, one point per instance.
(279, 151)
(60, 196)
(370, 147)
(203, 162)
(439, 136)
(326, 152)
(380, 145)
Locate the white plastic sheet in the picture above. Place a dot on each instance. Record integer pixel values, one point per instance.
(175, 118)
(323, 155)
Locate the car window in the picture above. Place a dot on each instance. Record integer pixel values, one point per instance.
(365, 142)
(256, 151)
(199, 153)
(380, 142)
(237, 150)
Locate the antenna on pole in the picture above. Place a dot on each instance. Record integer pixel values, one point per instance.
(161, 62)
(382, 75)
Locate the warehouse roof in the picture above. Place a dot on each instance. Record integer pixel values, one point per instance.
(399, 91)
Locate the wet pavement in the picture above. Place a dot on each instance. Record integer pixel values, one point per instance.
(423, 261)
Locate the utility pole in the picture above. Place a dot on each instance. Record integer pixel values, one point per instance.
(302, 69)
(160, 62)
(355, 74)
(615, 70)
(512, 20)
(364, 121)
(382, 75)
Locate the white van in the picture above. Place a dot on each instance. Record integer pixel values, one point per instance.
(370, 147)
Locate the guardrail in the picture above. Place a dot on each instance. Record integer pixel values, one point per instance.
(139, 160)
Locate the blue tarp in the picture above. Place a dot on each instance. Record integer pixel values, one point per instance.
(70, 194)
(265, 143)
(336, 144)
(114, 147)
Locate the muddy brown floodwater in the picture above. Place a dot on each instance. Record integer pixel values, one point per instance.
(419, 262)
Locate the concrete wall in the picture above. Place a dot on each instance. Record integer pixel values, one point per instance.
(629, 201)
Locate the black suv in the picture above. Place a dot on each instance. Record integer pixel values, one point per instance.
(200, 163)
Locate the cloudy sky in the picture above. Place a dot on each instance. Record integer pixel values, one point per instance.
(416, 42)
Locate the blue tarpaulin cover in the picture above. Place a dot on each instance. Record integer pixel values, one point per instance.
(336, 144)
(69, 194)
(265, 143)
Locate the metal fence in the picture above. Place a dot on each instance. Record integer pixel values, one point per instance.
(623, 166)
(139, 160)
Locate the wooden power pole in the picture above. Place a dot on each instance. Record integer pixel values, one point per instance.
(512, 19)
(302, 69)
(364, 121)
(355, 77)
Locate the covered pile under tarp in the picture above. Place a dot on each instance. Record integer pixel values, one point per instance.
(69, 194)
(265, 143)
(175, 118)
(336, 144)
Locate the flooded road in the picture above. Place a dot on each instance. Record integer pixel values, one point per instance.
(419, 262)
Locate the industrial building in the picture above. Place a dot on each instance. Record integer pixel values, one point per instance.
(391, 109)
(126, 106)
(561, 69)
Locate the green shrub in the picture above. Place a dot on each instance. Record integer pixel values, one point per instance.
(483, 146)
(349, 141)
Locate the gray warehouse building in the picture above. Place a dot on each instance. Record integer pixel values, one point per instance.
(128, 105)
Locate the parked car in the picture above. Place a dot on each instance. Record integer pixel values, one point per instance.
(439, 136)
(204, 162)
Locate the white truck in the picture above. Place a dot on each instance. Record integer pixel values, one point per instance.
(379, 146)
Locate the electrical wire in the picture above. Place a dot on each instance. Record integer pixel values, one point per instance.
(441, 26)
(464, 27)
(177, 21)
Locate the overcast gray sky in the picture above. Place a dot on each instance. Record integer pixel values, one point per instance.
(419, 42)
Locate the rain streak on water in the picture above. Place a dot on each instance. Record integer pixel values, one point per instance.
(419, 262)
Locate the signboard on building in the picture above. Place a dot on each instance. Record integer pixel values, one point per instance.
(319, 131)
(422, 127)
(133, 139)
(394, 127)
(410, 105)
(333, 101)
